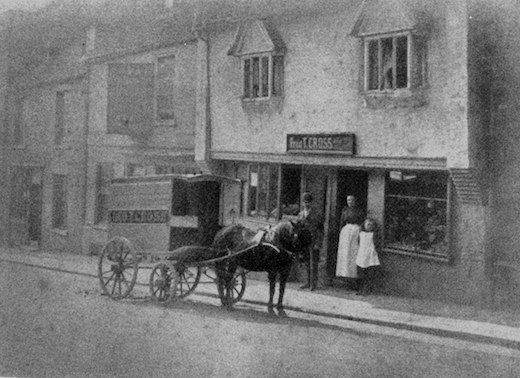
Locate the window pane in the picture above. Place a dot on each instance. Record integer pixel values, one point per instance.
(277, 79)
(18, 123)
(387, 63)
(166, 66)
(291, 179)
(59, 208)
(256, 77)
(247, 77)
(165, 107)
(273, 192)
(165, 88)
(60, 118)
(373, 65)
(265, 76)
(253, 187)
(416, 212)
(402, 61)
(263, 178)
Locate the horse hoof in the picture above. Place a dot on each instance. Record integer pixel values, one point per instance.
(282, 313)
(270, 310)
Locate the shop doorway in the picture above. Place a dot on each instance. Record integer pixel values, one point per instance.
(349, 182)
(25, 206)
(352, 183)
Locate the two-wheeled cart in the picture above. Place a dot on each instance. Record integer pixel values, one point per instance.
(167, 224)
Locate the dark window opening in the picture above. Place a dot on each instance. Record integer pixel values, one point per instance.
(387, 63)
(263, 76)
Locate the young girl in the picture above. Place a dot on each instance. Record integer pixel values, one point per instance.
(367, 260)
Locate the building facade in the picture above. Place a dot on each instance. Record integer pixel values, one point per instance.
(371, 99)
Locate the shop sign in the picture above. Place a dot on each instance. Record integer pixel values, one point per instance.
(139, 216)
(343, 143)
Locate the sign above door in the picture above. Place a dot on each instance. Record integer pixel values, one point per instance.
(342, 143)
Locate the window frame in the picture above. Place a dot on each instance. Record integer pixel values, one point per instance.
(409, 60)
(18, 125)
(60, 117)
(270, 76)
(415, 251)
(158, 121)
(102, 192)
(277, 210)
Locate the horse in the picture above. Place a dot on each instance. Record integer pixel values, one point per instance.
(275, 254)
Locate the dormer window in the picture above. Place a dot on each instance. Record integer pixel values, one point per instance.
(263, 75)
(394, 62)
(261, 51)
(394, 41)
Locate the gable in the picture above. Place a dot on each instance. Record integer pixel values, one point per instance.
(389, 16)
(254, 37)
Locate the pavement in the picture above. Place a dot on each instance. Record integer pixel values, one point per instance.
(482, 325)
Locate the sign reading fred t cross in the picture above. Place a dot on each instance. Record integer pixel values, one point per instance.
(343, 143)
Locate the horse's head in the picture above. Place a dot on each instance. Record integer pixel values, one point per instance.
(300, 238)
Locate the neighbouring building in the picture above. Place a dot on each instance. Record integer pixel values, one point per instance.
(141, 104)
(44, 128)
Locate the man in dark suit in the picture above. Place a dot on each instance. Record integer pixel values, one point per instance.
(310, 217)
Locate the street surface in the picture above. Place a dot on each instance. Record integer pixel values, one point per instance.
(58, 324)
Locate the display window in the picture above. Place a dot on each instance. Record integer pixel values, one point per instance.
(273, 191)
(417, 212)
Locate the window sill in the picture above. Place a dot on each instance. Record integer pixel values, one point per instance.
(59, 231)
(100, 226)
(171, 124)
(400, 98)
(262, 104)
(422, 256)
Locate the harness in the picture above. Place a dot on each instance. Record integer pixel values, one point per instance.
(266, 236)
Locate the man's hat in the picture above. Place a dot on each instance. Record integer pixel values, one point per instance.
(307, 197)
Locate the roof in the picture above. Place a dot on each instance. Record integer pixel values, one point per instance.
(386, 16)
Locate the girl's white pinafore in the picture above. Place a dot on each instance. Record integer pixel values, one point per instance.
(367, 254)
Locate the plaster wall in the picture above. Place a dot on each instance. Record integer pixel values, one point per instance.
(179, 135)
(322, 92)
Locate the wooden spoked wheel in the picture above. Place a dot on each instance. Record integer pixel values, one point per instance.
(117, 268)
(163, 283)
(189, 278)
(238, 286)
(234, 291)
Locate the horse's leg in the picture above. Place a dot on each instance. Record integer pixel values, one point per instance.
(284, 274)
(272, 282)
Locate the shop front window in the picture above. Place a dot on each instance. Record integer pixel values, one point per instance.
(416, 212)
(273, 189)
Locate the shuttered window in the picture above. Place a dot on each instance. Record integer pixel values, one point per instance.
(130, 109)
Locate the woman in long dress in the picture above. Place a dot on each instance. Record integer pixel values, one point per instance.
(351, 219)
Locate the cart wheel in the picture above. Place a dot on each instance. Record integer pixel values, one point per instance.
(163, 282)
(117, 268)
(235, 289)
(189, 278)
(238, 286)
